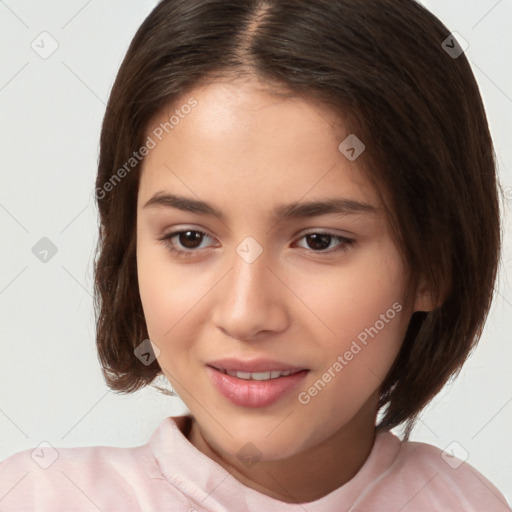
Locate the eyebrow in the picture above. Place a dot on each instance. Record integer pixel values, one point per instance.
(340, 206)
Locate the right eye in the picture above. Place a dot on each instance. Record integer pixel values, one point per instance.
(190, 239)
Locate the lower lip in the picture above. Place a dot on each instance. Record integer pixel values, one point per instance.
(254, 393)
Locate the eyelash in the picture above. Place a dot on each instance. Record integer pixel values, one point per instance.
(165, 240)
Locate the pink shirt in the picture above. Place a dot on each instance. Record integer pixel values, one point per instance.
(169, 474)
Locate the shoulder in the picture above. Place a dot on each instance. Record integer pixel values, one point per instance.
(100, 476)
(427, 478)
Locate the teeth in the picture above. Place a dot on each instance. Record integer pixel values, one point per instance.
(259, 375)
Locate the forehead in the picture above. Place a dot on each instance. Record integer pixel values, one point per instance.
(241, 136)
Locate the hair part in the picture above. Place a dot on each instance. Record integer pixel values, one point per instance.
(380, 65)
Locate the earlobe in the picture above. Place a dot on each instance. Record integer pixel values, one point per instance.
(424, 300)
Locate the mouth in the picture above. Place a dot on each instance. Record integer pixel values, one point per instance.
(268, 375)
(253, 366)
(258, 388)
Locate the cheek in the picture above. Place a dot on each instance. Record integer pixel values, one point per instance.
(164, 293)
(172, 297)
(359, 296)
(365, 308)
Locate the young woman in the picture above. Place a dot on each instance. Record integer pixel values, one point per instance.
(300, 230)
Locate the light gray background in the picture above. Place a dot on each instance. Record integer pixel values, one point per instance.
(51, 110)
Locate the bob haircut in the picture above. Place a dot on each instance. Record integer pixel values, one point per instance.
(385, 68)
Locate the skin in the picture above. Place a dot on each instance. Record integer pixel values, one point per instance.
(246, 151)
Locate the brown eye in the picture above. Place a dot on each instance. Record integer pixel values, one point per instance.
(190, 239)
(185, 242)
(319, 242)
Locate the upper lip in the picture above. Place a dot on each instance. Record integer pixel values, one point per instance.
(253, 365)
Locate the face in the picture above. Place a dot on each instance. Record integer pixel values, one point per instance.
(247, 283)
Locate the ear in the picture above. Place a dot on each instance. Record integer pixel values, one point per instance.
(424, 299)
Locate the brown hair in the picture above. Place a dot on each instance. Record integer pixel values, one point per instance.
(381, 64)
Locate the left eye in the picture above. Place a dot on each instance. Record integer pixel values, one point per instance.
(190, 240)
(322, 241)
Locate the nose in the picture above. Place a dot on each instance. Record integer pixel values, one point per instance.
(251, 299)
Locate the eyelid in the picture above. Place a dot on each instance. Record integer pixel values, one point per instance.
(318, 231)
(180, 229)
(322, 231)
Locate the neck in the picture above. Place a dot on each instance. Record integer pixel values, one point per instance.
(323, 468)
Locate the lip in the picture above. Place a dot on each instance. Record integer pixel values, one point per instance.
(253, 365)
(254, 393)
